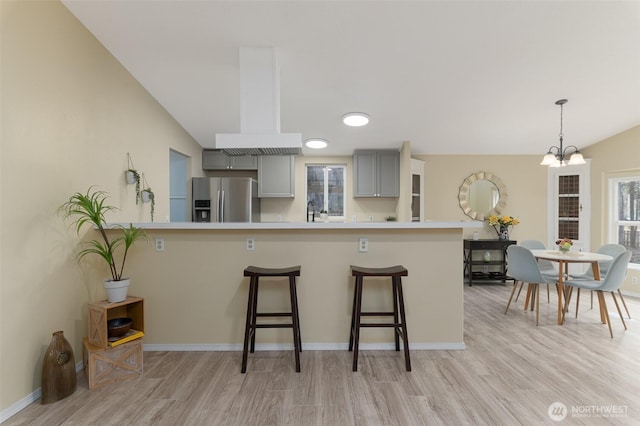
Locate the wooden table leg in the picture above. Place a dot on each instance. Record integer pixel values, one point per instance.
(560, 291)
(595, 268)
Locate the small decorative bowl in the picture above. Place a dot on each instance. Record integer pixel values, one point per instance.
(118, 326)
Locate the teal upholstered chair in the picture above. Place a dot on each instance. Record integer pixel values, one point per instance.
(523, 267)
(616, 274)
(546, 266)
(612, 250)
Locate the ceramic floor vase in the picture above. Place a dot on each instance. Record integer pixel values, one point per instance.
(58, 370)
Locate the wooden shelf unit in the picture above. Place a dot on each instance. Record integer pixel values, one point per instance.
(101, 312)
(104, 364)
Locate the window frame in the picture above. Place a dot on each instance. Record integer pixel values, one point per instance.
(614, 222)
(326, 186)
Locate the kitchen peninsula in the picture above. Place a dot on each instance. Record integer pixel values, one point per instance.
(196, 293)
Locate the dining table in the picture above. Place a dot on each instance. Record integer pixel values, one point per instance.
(564, 259)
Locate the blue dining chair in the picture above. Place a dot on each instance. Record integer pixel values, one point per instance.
(616, 274)
(612, 250)
(523, 267)
(546, 266)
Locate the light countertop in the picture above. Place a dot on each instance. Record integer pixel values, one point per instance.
(310, 225)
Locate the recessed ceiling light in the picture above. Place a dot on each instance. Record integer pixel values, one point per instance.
(316, 143)
(355, 119)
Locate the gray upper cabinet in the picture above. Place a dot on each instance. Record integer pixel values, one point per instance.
(276, 176)
(215, 159)
(376, 173)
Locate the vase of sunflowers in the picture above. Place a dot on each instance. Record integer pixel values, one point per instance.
(502, 225)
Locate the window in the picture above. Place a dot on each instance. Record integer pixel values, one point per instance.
(325, 188)
(624, 196)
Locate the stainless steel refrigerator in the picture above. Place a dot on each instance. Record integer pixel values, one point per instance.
(233, 199)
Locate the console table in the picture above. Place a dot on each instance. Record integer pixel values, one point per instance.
(476, 269)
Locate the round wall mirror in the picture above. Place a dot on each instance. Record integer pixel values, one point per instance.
(481, 195)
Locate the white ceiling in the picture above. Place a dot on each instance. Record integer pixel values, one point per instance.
(452, 77)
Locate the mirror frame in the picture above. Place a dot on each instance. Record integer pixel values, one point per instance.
(463, 195)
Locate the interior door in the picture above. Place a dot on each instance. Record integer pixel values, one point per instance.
(569, 208)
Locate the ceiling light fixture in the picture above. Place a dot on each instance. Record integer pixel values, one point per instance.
(557, 158)
(355, 119)
(316, 143)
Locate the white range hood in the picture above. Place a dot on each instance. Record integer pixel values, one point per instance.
(259, 109)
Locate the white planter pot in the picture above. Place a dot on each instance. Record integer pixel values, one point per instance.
(116, 290)
(131, 178)
(145, 196)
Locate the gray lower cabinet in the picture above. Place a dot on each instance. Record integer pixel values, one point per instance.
(215, 159)
(276, 176)
(376, 173)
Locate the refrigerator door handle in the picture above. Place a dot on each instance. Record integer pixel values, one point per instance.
(222, 207)
(218, 212)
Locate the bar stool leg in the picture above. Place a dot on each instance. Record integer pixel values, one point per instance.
(353, 316)
(396, 331)
(356, 326)
(254, 311)
(294, 321)
(405, 336)
(248, 329)
(295, 298)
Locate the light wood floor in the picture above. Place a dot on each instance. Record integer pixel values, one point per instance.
(510, 373)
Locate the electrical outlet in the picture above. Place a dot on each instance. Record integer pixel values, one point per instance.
(251, 244)
(634, 280)
(354, 218)
(159, 244)
(370, 218)
(363, 245)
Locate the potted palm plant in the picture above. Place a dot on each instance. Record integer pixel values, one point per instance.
(90, 209)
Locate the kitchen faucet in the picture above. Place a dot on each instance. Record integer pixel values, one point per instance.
(313, 211)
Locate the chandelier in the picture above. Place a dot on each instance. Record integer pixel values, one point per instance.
(556, 156)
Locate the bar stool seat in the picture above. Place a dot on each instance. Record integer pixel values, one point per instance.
(399, 323)
(254, 273)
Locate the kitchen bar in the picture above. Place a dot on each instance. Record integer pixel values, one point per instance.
(196, 294)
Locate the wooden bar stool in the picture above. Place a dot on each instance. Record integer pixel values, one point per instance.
(400, 327)
(255, 273)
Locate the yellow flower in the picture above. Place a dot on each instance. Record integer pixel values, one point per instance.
(502, 223)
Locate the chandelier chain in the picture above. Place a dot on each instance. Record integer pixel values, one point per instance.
(561, 117)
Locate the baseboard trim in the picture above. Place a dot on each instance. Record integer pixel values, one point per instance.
(631, 293)
(14, 409)
(225, 347)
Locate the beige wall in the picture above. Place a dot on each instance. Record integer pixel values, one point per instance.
(70, 114)
(195, 293)
(613, 157)
(524, 178)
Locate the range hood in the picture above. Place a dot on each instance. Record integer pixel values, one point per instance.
(259, 109)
